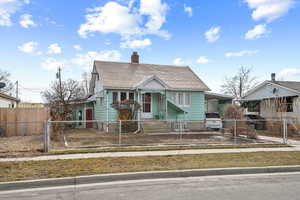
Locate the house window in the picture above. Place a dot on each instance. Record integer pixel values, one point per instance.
(123, 96)
(180, 99)
(188, 99)
(131, 96)
(253, 106)
(183, 98)
(284, 104)
(115, 97)
(289, 104)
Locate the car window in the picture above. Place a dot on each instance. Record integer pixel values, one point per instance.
(212, 115)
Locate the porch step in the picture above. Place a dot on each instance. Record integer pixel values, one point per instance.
(155, 126)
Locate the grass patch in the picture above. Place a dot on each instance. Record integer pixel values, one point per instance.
(134, 149)
(14, 171)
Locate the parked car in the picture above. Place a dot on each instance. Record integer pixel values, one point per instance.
(213, 121)
(258, 122)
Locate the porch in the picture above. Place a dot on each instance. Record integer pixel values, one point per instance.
(155, 105)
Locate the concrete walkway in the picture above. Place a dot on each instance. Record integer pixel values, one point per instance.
(279, 140)
(147, 153)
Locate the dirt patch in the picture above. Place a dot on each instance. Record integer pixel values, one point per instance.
(81, 138)
(20, 144)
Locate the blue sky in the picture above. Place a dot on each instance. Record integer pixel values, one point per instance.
(213, 37)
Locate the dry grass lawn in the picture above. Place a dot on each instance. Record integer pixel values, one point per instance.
(12, 171)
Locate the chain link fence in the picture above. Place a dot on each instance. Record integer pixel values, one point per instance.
(132, 133)
(42, 136)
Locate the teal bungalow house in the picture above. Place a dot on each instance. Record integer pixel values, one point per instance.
(164, 92)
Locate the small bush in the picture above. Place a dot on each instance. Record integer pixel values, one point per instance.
(233, 112)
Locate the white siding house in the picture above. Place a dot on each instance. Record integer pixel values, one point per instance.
(274, 99)
(7, 101)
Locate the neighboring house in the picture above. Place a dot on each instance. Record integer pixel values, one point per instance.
(30, 105)
(274, 99)
(7, 101)
(164, 92)
(216, 103)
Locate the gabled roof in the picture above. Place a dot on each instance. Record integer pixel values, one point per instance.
(5, 96)
(149, 79)
(293, 86)
(127, 75)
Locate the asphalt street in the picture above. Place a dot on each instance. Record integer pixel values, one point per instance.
(231, 187)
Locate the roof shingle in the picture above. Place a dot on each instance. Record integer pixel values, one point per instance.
(128, 75)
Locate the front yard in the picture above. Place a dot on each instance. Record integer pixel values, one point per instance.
(81, 139)
(15, 171)
(90, 138)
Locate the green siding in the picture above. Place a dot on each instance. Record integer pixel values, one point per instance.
(195, 112)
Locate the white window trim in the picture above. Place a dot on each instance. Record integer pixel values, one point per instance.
(184, 94)
(127, 95)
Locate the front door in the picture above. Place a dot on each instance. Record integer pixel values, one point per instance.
(89, 116)
(147, 106)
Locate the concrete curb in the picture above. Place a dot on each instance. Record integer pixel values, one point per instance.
(141, 176)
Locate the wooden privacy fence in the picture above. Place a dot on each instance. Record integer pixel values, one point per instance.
(23, 121)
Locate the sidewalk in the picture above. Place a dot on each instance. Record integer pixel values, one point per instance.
(275, 139)
(147, 153)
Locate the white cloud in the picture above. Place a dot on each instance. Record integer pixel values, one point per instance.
(8, 8)
(269, 9)
(213, 34)
(202, 60)
(52, 64)
(257, 32)
(54, 49)
(178, 61)
(126, 20)
(77, 47)
(111, 18)
(26, 21)
(29, 47)
(86, 60)
(136, 44)
(241, 53)
(289, 73)
(156, 10)
(188, 10)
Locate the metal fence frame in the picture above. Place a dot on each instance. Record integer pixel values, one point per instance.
(47, 132)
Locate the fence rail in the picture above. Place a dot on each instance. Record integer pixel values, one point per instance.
(62, 135)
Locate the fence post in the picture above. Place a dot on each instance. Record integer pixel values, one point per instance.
(284, 131)
(47, 136)
(120, 132)
(235, 129)
(181, 130)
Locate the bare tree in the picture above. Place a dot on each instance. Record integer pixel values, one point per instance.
(239, 84)
(61, 96)
(4, 78)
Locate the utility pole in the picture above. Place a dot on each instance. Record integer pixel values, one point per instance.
(58, 76)
(17, 92)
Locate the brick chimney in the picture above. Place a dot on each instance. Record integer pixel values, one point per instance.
(135, 58)
(273, 77)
